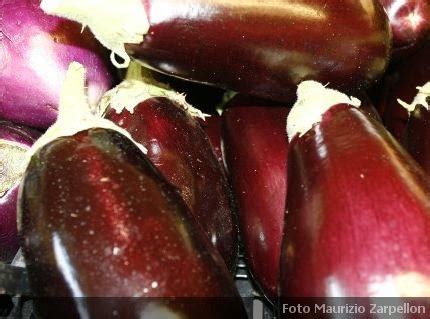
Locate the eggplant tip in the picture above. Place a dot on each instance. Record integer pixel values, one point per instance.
(313, 100)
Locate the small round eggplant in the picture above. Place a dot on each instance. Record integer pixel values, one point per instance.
(256, 155)
(35, 52)
(99, 220)
(15, 141)
(344, 237)
(263, 48)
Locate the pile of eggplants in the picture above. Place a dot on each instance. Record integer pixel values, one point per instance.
(259, 48)
(98, 219)
(129, 202)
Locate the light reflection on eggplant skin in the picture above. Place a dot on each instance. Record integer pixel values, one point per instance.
(405, 284)
(69, 274)
(43, 62)
(409, 20)
(163, 11)
(65, 266)
(320, 143)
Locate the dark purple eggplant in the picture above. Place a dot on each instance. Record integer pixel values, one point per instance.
(260, 48)
(256, 156)
(15, 141)
(344, 237)
(181, 150)
(97, 219)
(401, 83)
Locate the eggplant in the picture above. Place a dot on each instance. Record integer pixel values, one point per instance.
(97, 219)
(179, 147)
(256, 155)
(409, 21)
(35, 52)
(344, 237)
(401, 83)
(260, 48)
(15, 141)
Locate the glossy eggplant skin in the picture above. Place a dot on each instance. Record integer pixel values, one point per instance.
(99, 220)
(416, 137)
(181, 150)
(344, 237)
(256, 155)
(212, 126)
(266, 49)
(401, 83)
(409, 21)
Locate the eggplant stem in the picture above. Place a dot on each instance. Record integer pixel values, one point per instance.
(117, 64)
(138, 86)
(74, 112)
(420, 99)
(313, 100)
(113, 22)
